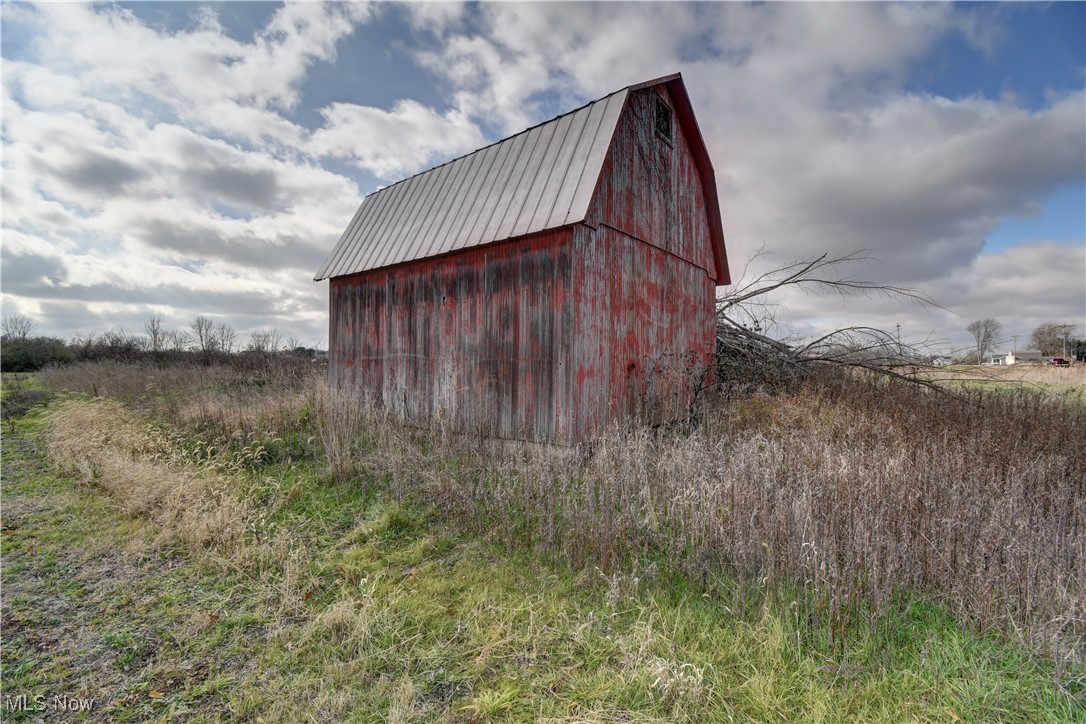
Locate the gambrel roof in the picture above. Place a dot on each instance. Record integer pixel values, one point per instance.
(540, 179)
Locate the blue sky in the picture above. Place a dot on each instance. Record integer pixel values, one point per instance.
(186, 158)
(1061, 217)
(1036, 49)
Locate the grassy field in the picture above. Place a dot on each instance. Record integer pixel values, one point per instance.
(1047, 379)
(226, 544)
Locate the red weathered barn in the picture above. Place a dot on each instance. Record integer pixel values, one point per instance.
(543, 286)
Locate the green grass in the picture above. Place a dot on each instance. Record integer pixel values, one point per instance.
(377, 611)
(20, 392)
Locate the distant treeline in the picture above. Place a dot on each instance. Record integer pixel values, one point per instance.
(22, 350)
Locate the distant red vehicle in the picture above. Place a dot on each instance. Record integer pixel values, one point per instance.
(1059, 362)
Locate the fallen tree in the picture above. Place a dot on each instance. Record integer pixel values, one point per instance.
(748, 353)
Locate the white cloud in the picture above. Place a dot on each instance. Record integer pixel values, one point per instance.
(162, 166)
(816, 146)
(145, 167)
(576, 50)
(918, 180)
(1022, 286)
(200, 77)
(194, 67)
(1032, 283)
(393, 143)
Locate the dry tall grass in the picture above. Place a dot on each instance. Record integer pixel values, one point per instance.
(1030, 376)
(236, 415)
(238, 393)
(341, 419)
(855, 491)
(134, 461)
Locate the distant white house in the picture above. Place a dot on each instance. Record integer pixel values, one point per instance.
(1025, 355)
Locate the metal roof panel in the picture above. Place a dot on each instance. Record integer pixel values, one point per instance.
(412, 239)
(466, 184)
(586, 183)
(540, 189)
(491, 205)
(555, 179)
(541, 178)
(579, 151)
(492, 161)
(517, 194)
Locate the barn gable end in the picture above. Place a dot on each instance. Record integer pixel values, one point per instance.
(544, 286)
(654, 188)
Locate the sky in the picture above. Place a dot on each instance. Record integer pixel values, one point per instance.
(184, 159)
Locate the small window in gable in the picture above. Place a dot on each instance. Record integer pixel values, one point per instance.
(663, 119)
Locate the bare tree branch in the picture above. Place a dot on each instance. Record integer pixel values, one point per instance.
(748, 353)
(18, 326)
(986, 333)
(808, 275)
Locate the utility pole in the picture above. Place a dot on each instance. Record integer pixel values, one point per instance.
(899, 341)
(1015, 348)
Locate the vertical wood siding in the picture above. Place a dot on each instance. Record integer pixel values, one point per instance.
(479, 341)
(650, 189)
(643, 277)
(645, 325)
